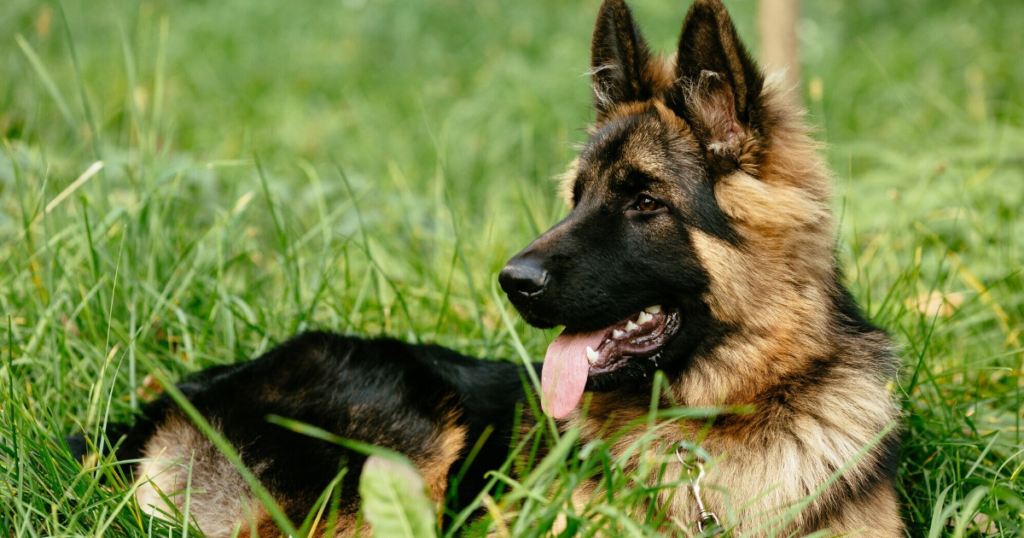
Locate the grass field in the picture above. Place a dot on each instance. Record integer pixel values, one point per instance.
(368, 166)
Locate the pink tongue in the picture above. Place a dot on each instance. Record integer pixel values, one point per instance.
(565, 371)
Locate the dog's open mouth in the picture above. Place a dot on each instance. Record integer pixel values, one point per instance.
(573, 356)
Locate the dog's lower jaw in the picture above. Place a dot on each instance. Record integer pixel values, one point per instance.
(694, 332)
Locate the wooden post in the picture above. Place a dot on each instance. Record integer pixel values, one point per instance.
(779, 43)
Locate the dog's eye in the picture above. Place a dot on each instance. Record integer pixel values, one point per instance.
(646, 203)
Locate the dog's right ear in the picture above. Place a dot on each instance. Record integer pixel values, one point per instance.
(619, 59)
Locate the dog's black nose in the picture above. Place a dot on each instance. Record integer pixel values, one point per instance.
(523, 276)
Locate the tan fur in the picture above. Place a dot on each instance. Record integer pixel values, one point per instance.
(566, 180)
(444, 449)
(219, 498)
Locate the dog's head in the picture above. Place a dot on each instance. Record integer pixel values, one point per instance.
(691, 172)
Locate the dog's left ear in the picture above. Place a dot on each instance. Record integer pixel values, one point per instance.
(718, 87)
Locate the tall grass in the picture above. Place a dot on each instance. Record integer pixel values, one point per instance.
(186, 184)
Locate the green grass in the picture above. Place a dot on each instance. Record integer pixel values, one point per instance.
(369, 166)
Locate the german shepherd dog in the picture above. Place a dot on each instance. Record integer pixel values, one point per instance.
(700, 243)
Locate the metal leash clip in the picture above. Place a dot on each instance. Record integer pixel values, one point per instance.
(708, 520)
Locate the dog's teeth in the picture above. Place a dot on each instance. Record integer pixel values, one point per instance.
(591, 355)
(617, 334)
(630, 326)
(653, 309)
(644, 317)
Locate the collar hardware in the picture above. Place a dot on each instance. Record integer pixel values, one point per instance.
(708, 520)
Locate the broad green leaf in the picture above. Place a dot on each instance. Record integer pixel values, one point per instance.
(395, 500)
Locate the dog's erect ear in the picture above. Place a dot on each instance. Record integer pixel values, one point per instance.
(718, 88)
(619, 59)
